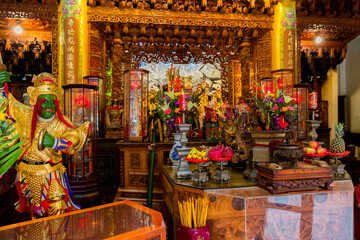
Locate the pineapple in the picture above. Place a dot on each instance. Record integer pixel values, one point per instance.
(338, 144)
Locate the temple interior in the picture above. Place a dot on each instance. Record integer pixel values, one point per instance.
(180, 119)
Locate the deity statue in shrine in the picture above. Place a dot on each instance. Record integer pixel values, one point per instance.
(211, 121)
(203, 87)
(218, 102)
(229, 133)
(113, 116)
(153, 117)
(42, 183)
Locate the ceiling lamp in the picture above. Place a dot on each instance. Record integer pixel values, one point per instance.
(18, 28)
(318, 39)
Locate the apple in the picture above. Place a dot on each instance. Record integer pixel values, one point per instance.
(321, 150)
(314, 144)
(310, 151)
(305, 149)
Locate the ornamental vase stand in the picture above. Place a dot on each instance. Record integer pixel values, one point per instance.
(173, 155)
(183, 171)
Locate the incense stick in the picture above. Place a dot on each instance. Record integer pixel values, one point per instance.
(193, 212)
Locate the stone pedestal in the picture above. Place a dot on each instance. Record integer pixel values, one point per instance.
(183, 171)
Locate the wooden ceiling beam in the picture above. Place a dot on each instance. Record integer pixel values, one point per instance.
(141, 16)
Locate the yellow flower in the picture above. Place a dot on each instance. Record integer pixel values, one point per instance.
(284, 109)
(270, 95)
(2, 116)
(177, 110)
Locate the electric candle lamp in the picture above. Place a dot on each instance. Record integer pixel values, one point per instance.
(313, 100)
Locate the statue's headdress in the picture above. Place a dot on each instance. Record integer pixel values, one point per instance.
(44, 83)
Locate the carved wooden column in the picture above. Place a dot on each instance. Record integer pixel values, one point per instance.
(283, 37)
(117, 59)
(74, 44)
(245, 58)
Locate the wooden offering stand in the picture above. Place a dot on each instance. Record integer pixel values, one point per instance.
(304, 176)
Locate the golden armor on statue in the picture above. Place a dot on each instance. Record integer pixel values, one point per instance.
(42, 183)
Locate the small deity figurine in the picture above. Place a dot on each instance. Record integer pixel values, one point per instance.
(211, 121)
(154, 119)
(113, 116)
(41, 179)
(229, 133)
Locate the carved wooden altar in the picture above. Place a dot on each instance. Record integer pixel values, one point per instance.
(240, 210)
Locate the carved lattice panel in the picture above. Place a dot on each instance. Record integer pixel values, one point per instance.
(135, 160)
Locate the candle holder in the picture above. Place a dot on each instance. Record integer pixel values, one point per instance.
(183, 171)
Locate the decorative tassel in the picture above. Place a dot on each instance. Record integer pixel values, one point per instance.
(134, 38)
(320, 52)
(219, 3)
(252, 3)
(204, 3)
(26, 46)
(143, 30)
(108, 28)
(20, 54)
(208, 33)
(126, 29)
(255, 33)
(152, 1)
(239, 34)
(224, 33)
(169, 2)
(8, 45)
(343, 53)
(332, 53)
(267, 3)
(176, 31)
(192, 32)
(160, 31)
(42, 47)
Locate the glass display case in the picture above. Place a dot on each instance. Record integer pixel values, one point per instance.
(284, 80)
(266, 85)
(136, 87)
(98, 81)
(81, 105)
(300, 93)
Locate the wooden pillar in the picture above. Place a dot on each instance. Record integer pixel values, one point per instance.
(117, 60)
(283, 37)
(245, 56)
(73, 53)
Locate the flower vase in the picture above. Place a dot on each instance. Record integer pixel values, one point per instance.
(173, 155)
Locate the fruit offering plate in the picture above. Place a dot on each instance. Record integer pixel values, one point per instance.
(195, 160)
(338, 154)
(316, 155)
(221, 159)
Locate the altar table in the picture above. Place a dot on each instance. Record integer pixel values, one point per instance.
(242, 210)
(119, 220)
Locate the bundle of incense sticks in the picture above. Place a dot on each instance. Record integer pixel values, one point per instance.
(193, 212)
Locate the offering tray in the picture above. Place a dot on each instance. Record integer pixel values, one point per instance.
(199, 177)
(221, 175)
(304, 176)
(338, 154)
(316, 155)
